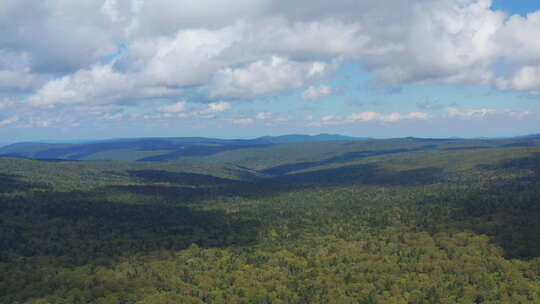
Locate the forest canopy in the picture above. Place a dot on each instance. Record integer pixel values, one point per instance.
(395, 221)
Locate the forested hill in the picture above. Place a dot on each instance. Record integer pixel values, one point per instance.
(307, 138)
(263, 151)
(383, 221)
(151, 149)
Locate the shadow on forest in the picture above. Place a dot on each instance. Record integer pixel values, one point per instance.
(365, 174)
(12, 183)
(192, 188)
(204, 150)
(468, 148)
(180, 178)
(350, 156)
(509, 210)
(173, 194)
(531, 162)
(74, 228)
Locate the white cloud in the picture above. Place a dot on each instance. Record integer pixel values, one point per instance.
(328, 118)
(442, 42)
(180, 110)
(212, 109)
(374, 116)
(10, 79)
(517, 39)
(110, 117)
(243, 121)
(98, 85)
(365, 117)
(418, 115)
(316, 93)
(527, 78)
(110, 9)
(8, 121)
(264, 115)
(483, 112)
(250, 49)
(519, 114)
(218, 107)
(174, 108)
(283, 119)
(454, 112)
(266, 76)
(189, 58)
(6, 103)
(60, 36)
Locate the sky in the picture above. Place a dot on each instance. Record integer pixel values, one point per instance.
(95, 69)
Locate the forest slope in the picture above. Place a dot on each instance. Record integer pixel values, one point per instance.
(259, 153)
(377, 222)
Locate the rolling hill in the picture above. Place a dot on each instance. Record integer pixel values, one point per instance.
(407, 220)
(259, 153)
(151, 149)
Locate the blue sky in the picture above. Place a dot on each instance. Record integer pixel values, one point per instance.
(133, 68)
(522, 7)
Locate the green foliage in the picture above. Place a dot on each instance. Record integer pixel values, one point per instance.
(409, 225)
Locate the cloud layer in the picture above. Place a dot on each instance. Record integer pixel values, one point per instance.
(124, 53)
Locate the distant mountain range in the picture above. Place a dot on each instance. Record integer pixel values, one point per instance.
(532, 136)
(241, 151)
(151, 149)
(307, 138)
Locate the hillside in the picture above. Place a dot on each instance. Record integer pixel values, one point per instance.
(259, 153)
(128, 149)
(308, 138)
(380, 221)
(150, 149)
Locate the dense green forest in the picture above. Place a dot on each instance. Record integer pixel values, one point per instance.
(363, 221)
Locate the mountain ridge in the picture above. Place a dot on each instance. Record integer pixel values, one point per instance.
(287, 148)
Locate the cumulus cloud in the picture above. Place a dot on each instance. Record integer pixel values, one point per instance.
(213, 109)
(174, 108)
(218, 107)
(182, 109)
(316, 93)
(266, 76)
(60, 36)
(251, 44)
(73, 53)
(188, 58)
(527, 78)
(515, 39)
(96, 85)
(100, 84)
